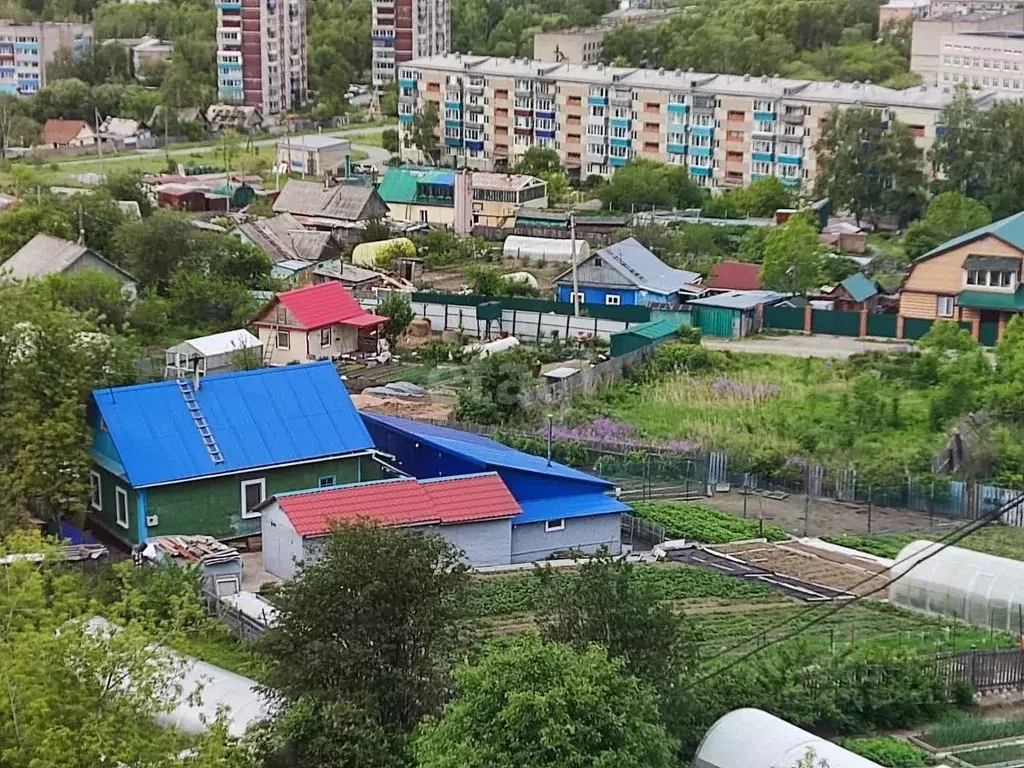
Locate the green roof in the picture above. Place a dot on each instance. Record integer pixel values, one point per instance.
(1009, 302)
(654, 330)
(859, 287)
(403, 185)
(1009, 230)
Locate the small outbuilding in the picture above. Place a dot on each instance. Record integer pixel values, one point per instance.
(317, 155)
(854, 294)
(752, 738)
(217, 353)
(44, 255)
(474, 512)
(642, 335)
(733, 314)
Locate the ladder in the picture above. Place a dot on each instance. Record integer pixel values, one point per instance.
(270, 346)
(200, 421)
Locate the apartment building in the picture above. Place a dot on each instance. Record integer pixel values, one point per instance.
(582, 45)
(261, 54)
(403, 30)
(727, 130)
(926, 48)
(27, 48)
(984, 59)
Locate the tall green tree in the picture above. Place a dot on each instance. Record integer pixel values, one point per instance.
(963, 150)
(424, 134)
(537, 161)
(542, 705)
(792, 257)
(397, 309)
(643, 185)
(949, 214)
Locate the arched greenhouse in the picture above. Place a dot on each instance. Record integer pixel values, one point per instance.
(751, 738)
(979, 589)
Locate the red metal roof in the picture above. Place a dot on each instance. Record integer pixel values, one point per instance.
(734, 276)
(318, 306)
(365, 321)
(404, 501)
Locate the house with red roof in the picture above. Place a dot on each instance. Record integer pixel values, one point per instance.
(474, 512)
(319, 322)
(734, 276)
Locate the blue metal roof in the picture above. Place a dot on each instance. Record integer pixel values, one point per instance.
(555, 507)
(485, 452)
(257, 418)
(859, 287)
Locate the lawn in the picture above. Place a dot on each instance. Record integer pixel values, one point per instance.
(779, 409)
(1001, 540)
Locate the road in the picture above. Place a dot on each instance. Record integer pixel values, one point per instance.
(795, 345)
(375, 155)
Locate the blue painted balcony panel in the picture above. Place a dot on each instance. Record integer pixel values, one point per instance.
(618, 162)
(700, 151)
(406, 118)
(765, 116)
(621, 142)
(229, 5)
(790, 159)
(406, 82)
(679, 109)
(676, 149)
(619, 122)
(789, 182)
(541, 134)
(453, 105)
(597, 101)
(699, 170)
(702, 130)
(451, 141)
(453, 124)
(544, 115)
(762, 157)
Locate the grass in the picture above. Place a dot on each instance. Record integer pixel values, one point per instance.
(688, 520)
(1007, 753)
(968, 730)
(369, 139)
(217, 645)
(1001, 540)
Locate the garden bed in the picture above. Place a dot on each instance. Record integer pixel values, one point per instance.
(1004, 754)
(697, 522)
(971, 730)
(1000, 540)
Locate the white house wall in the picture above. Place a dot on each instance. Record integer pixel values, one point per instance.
(530, 542)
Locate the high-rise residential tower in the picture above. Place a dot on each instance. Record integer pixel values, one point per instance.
(27, 47)
(261, 54)
(408, 29)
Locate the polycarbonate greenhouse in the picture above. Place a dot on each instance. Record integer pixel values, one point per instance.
(979, 589)
(751, 738)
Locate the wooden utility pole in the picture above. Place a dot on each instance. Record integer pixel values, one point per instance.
(575, 282)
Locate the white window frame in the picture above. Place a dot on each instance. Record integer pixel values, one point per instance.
(612, 300)
(552, 526)
(941, 301)
(574, 296)
(287, 337)
(329, 341)
(332, 484)
(96, 490)
(121, 493)
(262, 483)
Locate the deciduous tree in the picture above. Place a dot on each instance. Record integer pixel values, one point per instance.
(397, 309)
(792, 257)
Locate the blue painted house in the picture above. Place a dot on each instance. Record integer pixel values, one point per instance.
(562, 508)
(186, 457)
(627, 274)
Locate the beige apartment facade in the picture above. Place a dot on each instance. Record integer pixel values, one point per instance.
(727, 130)
(569, 46)
(984, 60)
(929, 34)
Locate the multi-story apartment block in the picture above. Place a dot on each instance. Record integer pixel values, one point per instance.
(985, 60)
(728, 130)
(261, 54)
(27, 47)
(929, 35)
(408, 29)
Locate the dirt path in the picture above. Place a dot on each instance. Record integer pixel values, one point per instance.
(798, 345)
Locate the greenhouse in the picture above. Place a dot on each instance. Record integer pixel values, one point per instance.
(751, 738)
(544, 249)
(979, 589)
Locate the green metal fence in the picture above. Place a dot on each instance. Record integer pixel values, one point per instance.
(784, 318)
(988, 334)
(717, 321)
(915, 327)
(835, 323)
(882, 325)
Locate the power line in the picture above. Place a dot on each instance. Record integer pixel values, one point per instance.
(980, 523)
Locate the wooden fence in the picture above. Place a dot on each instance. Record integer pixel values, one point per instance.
(587, 379)
(986, 671)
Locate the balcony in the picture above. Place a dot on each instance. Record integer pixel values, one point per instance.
(767, 117)
(619, 122)
(229, 5)
(456, 124)
(597, 101)
(790, 181)
(703, 102)
(700, 170)
(456, 105)
(700, 151)
(762, 157)
(617, 162)
(405, 82)
(763, 129)
(524, 90)
(675, 148)
(702, 130)
(789, 159)
(542, 134)
(796, 117)
(622, 98)
(477, 146)
(475, 87)
(677, 109)
(452, 141)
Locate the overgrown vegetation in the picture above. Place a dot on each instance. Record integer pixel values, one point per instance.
(889, 751)
(690, 520)
(999, 540)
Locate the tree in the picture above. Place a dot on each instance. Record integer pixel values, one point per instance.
(1007, 395)
(389, 141)
(157, 247)
(397, 309)
(963, 151)
(949, 214)
(378, 634)
(792, 257)
(127, 185)
(644, 184)
(95, 294)
(498, 389)
(423, 135)
(538, 161)
(868, 168)
(559, 189)
(536, 704)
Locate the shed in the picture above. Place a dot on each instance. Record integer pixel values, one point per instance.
(341, 203)
(563, 509)
(982, 590)
(45, 255)
(734, 276)
(220, 563)
(239, 195)
(752, 738)
(474, 512)
(643, 334)
(854, 294)
(217, 353)
(544, 249)
(733, 314)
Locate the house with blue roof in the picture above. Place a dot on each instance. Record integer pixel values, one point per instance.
(974, 278)
(563, 509)
(857, 293)
(627, 274)
(200, 456)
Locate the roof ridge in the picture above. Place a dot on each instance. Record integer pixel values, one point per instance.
(346, 486)
(218, 377)
(452, 478)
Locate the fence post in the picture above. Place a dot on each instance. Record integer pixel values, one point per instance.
(869, 508)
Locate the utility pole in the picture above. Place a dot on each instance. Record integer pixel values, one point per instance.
(99, 137)
(575, 282)
(81, 225)
(550, 425)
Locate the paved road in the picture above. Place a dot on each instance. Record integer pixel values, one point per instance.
(795, 345)
(376, 155)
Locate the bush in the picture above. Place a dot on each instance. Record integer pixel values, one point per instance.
(687, 520)
(888, 751)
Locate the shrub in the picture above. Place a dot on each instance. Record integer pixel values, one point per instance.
(888, 751)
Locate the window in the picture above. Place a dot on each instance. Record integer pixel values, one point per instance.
(577, 297)
(550, 526)
(253, 494)
(284, 340)
(95, 491)
(327, 481)
(612, 300)
(423, 215)
(121, 504)
(325, 337)
(945, 306)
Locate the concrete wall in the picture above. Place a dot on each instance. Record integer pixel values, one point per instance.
(531, 542)
(484, 543)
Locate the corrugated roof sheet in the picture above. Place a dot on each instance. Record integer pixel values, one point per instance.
(397, 186)
(503, 182)
(222, 343)
(1011, 302)
(317, 306)
(1009, 230)
(45, 255)
(738, 299)
(579, 505)
(655, 329)
(258, 419)
(735, 276)
(642, 268)
(483, 451)
(859, 287)
(347, 202)
(402, 501)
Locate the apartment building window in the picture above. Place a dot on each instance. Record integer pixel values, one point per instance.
(620, 114)
(620, 133)
(956, 78)
(523, 102)
(597, 112)
(545, 105)
(703, 121)
(597, 92)
(545, 125)
(790, 130)
(700, 141)
(984, 80)
(676, 118)
(677, 98)
(762, 105)
(595, 130)
(618, 151)
(764, 126)
(734, 157)
(524, 85)
(574, 101)
(651, 127)
(734, 136)
(453, 114)
(944, 306)
(677, 138)
(761, 168)
(760, 145)
(595, 149)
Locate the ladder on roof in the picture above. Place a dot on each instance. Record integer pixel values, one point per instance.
(270, 346)
(200, 421)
